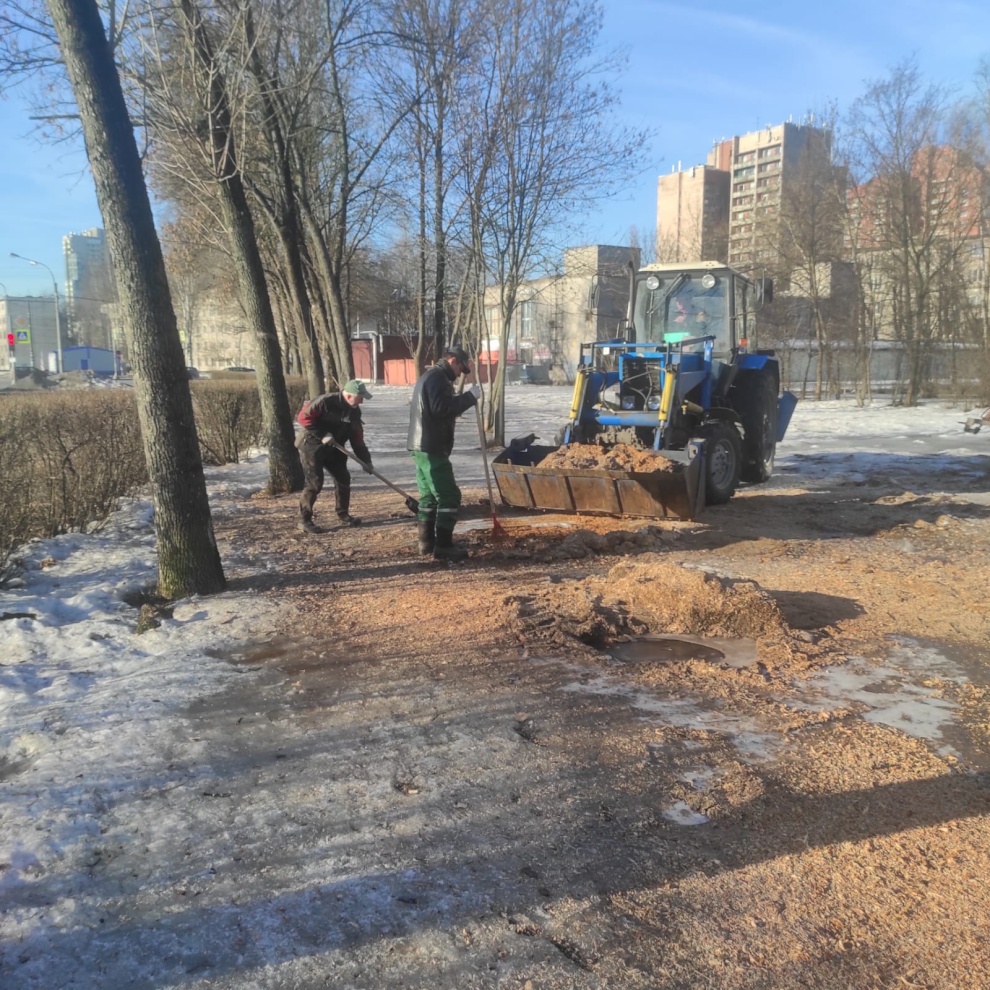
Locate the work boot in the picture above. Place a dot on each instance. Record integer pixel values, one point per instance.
(427, 531)
(348, 520)
(308, 526)
(445, 548)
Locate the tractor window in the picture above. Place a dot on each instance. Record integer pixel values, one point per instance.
(681, 307)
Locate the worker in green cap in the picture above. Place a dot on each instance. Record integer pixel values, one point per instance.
(334, 417)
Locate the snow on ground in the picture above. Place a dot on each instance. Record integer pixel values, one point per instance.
(92, 713)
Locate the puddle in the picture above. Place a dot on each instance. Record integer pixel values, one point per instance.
(681, 813)
(291, 657)
(747, 736)
(296, 676)
(736, 653)
(899, 692)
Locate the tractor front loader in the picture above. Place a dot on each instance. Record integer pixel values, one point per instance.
(681, 382)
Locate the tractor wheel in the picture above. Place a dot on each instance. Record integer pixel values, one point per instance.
(723, 460)
(756, 403)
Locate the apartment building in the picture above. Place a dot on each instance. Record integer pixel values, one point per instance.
(693, 214)
(895, 219)
(761, 166)
(89, 288)
(945, 195)
(37, 333)
(729, 208)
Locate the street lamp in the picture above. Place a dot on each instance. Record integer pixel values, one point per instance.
(58, 323)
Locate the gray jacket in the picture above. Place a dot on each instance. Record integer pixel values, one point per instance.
(433, 409)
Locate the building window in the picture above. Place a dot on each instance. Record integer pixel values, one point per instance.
(527, 319)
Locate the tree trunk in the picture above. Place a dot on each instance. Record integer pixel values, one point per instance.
(188, 559)
(439, 239)
(284, 470)
(286, 224)
(278, 435)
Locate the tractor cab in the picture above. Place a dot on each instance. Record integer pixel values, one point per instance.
(675, 303)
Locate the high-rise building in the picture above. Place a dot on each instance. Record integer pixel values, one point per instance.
(693, 215)
(761, 166)
(730, 208)
(89, 288)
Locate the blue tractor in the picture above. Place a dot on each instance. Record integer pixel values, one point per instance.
(682, 380)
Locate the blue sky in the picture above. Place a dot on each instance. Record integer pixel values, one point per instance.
(698, 72)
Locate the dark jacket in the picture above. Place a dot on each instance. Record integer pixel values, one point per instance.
(433, 409)
(330, 415)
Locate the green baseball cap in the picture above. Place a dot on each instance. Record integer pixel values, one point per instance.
(354, 387)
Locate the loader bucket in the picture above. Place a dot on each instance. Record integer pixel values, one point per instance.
(675, 492)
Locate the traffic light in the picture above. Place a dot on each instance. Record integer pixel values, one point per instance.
(10, 342)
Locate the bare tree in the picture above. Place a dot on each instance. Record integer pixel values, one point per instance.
(974, 123)
(909, 207)
(188, 560)
(811, 215)
(188, 95)
(552, 142)
(269, 53)
(443, 41)
(647, 243)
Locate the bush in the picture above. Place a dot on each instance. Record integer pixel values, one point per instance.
(298, 394)
(228, 415)
(68, 458)
(66, 461)
(228, 419)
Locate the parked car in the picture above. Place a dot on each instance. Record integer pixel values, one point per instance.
(237, 367)
(192, 372)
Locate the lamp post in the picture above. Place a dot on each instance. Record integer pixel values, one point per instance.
(58, 323)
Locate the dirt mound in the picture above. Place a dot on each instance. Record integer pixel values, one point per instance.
(651, 595)
(685, 600)
(620, 457)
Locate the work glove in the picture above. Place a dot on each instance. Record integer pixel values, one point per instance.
(475, 390)
(329, 440)
(368, 469)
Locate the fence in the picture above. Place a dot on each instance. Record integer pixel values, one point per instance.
(960, 367)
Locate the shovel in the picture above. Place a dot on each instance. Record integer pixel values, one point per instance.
(411, 504)
(498, 531)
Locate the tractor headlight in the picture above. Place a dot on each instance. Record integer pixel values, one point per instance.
(628, 402)
(653, 403)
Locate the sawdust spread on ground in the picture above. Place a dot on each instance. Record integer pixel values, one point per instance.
(568, 819)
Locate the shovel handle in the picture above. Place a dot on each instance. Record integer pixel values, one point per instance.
(381, 478)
